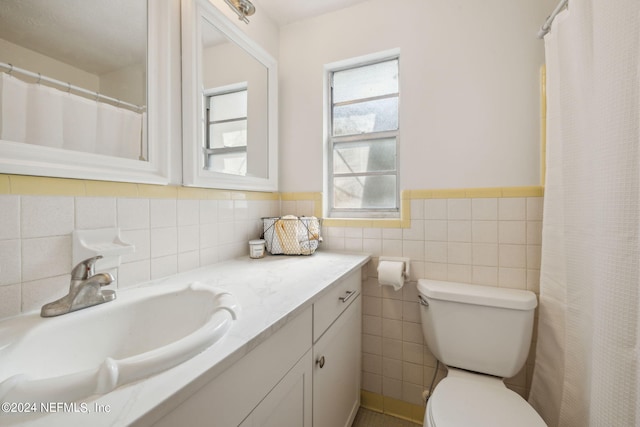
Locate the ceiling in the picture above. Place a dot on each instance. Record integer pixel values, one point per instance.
(284, 12)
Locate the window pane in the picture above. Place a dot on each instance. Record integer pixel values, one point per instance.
(229, 134)
(366, 192)
(363, 117)
(365, 156)
(366, 82)
(231, 163)
(228, 106)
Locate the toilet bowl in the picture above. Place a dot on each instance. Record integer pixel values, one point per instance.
(468, 399)
(482, 334)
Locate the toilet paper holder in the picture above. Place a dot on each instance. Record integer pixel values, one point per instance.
(406, 264)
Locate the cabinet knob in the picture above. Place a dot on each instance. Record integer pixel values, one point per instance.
(320, 362)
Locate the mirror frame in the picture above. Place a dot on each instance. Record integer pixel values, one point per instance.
(27, 159)
(193, 12)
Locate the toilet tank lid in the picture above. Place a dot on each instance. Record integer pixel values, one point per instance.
(515, 299)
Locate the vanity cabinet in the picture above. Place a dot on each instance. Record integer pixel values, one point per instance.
(305, 374)
(270, 382)
(336, 352)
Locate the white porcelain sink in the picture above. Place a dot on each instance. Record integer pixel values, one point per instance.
(92, 351)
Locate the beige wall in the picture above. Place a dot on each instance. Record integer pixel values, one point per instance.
(469, 89)
(38, 63)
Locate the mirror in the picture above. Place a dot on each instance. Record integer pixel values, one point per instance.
(74, 89)
(229, 104)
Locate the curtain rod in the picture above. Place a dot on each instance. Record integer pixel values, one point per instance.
(69, 87)
(546, 27)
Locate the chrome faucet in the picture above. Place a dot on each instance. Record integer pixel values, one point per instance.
(85, 290)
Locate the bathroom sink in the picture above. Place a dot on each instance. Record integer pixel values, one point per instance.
(143, 332)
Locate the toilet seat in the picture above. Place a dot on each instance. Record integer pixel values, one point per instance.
(478, 401)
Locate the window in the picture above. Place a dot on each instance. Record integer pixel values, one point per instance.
(363, 140)
(226, 131)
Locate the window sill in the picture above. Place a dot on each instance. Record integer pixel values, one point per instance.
(404, 221)
(367, 222)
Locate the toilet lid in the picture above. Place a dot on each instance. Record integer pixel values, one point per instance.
(463, 402)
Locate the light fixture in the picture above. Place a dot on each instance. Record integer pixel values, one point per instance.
(243, 8)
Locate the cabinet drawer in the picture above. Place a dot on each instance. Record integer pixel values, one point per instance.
(327, 309)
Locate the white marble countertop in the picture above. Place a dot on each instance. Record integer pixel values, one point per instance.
(270, 291)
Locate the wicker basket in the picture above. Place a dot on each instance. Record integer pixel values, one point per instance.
(292, 235)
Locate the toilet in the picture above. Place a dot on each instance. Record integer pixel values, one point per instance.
(482, 334)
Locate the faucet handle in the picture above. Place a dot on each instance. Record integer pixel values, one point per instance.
(85, 269)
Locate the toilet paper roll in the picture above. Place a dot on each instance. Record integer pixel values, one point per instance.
(391, 273)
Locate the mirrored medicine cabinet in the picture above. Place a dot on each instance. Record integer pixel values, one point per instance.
(229, 104)
(84, 89)
(122, 67)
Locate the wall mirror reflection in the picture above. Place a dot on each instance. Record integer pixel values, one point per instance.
(235, 104)
(74, 86)
(229, 97)
(226, 129)
(75, 75)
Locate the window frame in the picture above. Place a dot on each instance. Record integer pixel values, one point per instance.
(331, 141)
(207, 95)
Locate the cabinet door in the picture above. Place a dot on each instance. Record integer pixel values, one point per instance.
(227, 400)
(289, 403)
(336, 373)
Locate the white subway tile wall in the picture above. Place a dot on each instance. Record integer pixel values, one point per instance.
(170, 236)
(487, 241)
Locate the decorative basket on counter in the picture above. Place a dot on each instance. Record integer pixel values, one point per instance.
(292, 235)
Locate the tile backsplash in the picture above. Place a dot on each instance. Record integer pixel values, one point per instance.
(493, 241)
(490, 241)
(170, 235)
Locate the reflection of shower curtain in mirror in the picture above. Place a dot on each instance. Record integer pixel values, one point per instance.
(41, 115)
(13, 104)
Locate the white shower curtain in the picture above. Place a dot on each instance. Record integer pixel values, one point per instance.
(587, 371)
(13, 108)
(37, 114)
(44, 116)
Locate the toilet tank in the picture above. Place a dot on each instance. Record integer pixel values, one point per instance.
(478, 328)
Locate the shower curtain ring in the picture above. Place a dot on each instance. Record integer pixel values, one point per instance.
(10, 69)
(97, 96)
(39, 78)
(68, 87)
